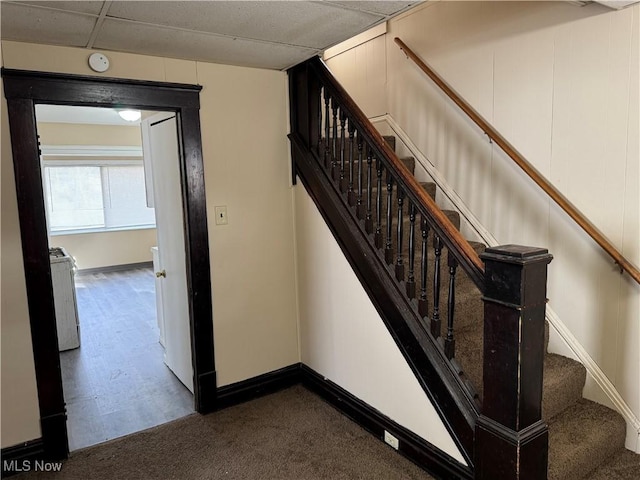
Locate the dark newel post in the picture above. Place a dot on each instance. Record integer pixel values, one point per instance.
(511, 439)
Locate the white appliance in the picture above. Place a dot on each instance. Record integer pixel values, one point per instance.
(63, 270)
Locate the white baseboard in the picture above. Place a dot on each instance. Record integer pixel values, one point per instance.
(573, 347)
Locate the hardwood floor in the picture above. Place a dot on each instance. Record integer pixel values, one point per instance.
(116, 383)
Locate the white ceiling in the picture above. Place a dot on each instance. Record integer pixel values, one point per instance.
(265, 34)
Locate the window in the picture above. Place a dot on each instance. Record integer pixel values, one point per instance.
(95, 195)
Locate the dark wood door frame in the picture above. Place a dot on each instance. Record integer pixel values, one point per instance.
(25, 89)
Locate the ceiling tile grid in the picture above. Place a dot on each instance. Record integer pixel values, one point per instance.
(153, 40)
(304, 24)
(24, 23)
(265, 34)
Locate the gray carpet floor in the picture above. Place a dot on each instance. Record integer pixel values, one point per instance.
(292, 434)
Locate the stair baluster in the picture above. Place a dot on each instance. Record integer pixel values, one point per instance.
(319, 145)
(368, 221)
(378, 235)
(343, 143)
(436, 328)
(359, 195)
(327, 130)
(423, 302)
(334, 139)
(388, 249)
(449, 342)
(351, 197)
(411, 278)
(400, 231)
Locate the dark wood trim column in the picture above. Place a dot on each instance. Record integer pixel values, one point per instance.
(511, 439)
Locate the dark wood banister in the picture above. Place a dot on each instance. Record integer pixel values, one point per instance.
(452, 237)
(534, 174)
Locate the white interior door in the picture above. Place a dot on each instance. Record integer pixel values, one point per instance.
(160, 146)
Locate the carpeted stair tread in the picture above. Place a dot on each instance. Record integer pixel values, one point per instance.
(563, 383)
(624, 466)
(563, 378)
(581, 438)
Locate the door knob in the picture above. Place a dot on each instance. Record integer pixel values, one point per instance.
(161, 273)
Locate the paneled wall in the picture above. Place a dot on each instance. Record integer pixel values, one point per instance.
(245, 152)
(560, 82)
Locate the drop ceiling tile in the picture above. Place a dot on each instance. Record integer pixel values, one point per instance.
(128, 36)
(36, 25)
(82, 7)
(301, 23)
(383, 7)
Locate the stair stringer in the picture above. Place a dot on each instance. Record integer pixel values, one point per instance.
(599, 387)
(436, 376)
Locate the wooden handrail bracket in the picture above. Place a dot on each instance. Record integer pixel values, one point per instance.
(526, 166)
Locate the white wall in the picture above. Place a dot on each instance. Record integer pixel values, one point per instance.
(246, 165)
(561, 83)
(343, 338)
(106, 249)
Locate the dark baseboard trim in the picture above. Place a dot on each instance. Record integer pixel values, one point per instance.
(255, 387)
(54, 435)
(416, 449)
(207, 392)
(114, 268)
(16, 457)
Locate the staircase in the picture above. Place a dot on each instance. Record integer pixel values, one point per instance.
(583, 435)
(375, 209)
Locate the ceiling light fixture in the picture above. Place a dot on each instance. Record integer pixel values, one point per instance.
(130, 115)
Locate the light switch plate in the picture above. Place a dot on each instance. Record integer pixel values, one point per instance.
(221, 215)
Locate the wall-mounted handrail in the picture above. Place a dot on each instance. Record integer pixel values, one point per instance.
(530, 170)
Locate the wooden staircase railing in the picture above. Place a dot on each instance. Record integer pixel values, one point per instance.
(385, 222)
(562, 201)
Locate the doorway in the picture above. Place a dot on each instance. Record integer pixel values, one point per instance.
(23, 91)
(105, 222)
